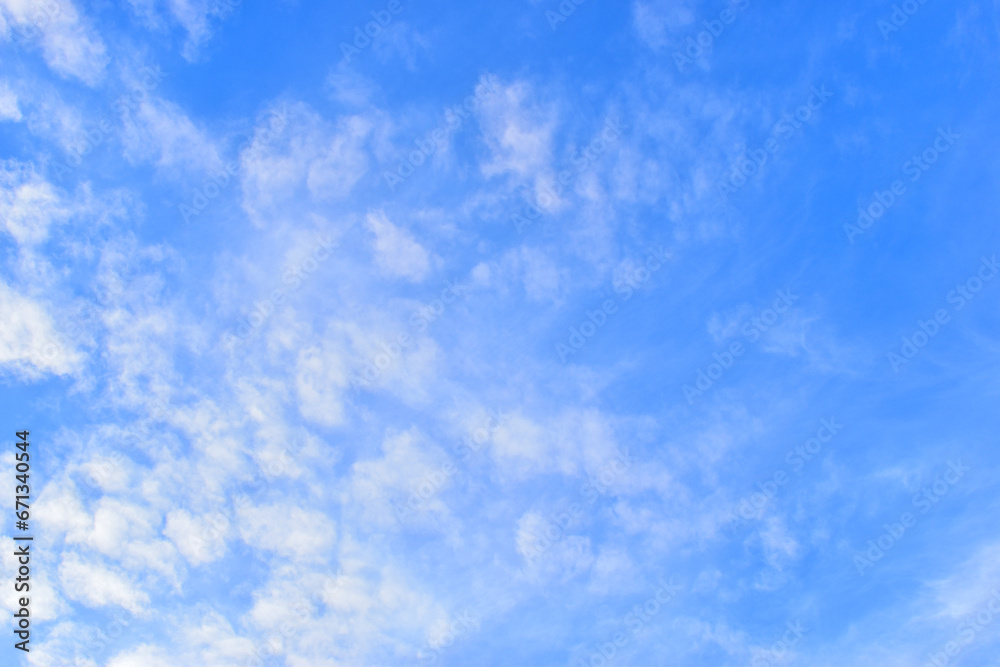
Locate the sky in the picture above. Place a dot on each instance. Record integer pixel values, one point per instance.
(581, 333)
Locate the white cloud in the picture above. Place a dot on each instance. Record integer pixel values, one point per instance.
(656, 21)
(59, 509)
(98, 586)
(122, 531)
(962, 594)
(397, 253)
(214, 643)
(29, 344)
(200, 539)
(194, 16)
(346, 85)
(46, 604)
(369, 610)
(289, 531)
(9, 109)
(144, 656)
(208, 641)
(321, 380)
(160, 131)
(518, 131)
(543, 278)
(571, 443)
(70, 47)
(307, 155)
(409, 373)
(564, 558)
(342, 162)
(380, 486)
(110, 474)
(29, 205)
(613, 572)
(399, 39)
(48, 115)
(780, 547)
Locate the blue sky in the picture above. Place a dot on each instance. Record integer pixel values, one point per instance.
(646, 333)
